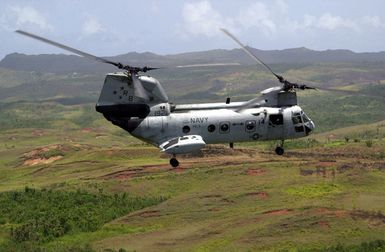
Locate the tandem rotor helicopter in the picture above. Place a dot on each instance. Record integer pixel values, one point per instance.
(138, 104)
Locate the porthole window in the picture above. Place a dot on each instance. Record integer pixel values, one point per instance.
(224, 127)
(211, 128)
(186, 129)
(250, 125)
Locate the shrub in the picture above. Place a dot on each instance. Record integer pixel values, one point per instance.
(41, 215)
(369, 143)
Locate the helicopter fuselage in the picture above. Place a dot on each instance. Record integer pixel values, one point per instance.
(273, 116)
(227, 125)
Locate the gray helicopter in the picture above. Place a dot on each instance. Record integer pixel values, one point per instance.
(138, 104)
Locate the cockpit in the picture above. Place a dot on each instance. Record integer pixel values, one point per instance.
(302, 123)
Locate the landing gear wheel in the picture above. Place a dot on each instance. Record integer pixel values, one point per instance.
(174, 162)
(279, 151)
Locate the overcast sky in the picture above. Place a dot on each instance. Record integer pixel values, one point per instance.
(107, 28)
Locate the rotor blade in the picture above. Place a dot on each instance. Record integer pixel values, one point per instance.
(146, 68)
(287, 85)
(70, 49)
(250, 53)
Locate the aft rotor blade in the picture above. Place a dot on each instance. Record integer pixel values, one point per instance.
(70, 49)
(249, 52)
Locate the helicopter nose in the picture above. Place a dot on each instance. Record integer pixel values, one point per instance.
(309, 127)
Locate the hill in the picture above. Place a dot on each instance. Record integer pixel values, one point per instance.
(71, 63)
(71, 181)
(349, 94)
(324, 194)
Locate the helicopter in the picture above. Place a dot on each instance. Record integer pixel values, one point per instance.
(138, 104)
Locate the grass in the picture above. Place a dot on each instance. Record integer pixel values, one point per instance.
(250, 200)
(42, 216)
(326, 193)
(315, 191)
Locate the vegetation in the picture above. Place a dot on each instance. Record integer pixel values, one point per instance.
(314, 190)
(71, 181)
(41, 216)
(372, 246)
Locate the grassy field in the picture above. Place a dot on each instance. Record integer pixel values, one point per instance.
(71, 181)
(325, 191)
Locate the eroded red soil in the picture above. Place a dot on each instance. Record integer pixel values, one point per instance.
(278, 212)
(255, 172)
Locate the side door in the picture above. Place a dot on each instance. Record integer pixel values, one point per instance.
(275, 126)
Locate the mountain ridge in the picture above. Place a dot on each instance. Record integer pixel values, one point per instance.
(64, 63)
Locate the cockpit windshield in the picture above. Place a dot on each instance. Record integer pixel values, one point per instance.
(301, 122)
(305, 117)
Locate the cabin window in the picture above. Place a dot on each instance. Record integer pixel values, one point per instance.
(211, 128)
(250, 126)
(276, 119)
(224, 127)
(186, 129)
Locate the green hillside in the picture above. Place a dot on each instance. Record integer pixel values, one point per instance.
(349, 93)
(71, 181)
(324, 192)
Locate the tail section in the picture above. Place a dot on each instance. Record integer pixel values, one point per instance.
(127, 96)
(118, 99)
(126, 99)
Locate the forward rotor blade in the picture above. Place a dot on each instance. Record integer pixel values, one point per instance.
(70, 49)
(287, 85)
(250, 53)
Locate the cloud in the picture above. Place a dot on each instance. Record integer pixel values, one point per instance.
(257, 15)
(281, 6)
(201, 18)
(374, 21)
(326, 21)
(23, 16)
(92, 26)
(330, 22)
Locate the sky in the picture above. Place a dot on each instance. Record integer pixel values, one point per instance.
(108, 28)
